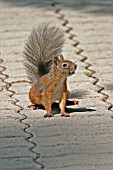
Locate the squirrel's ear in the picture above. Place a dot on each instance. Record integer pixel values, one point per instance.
(56, 60)
(61, 57)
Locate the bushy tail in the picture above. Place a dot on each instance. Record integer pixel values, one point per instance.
(42, 46)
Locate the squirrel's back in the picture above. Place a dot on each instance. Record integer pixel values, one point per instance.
(42, 46)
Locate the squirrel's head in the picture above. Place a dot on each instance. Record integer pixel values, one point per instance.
(65, 67)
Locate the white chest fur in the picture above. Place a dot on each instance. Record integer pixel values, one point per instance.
(58, 90)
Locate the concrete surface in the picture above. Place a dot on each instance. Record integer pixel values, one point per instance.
(84, 141)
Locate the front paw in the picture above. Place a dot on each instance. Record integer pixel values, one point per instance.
(48, 115)
(76, 101)
(65, 114)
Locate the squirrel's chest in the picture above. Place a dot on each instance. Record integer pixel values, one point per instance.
(59, 88)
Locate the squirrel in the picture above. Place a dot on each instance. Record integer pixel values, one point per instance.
(47, 69)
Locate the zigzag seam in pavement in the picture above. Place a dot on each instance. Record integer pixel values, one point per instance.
(14, 102)
(79, 51)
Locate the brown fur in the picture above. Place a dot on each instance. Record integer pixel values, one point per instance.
(54, 87)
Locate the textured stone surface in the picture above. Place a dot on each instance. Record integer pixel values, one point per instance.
(85, 139)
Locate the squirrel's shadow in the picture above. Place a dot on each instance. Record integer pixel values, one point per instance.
(56, 109)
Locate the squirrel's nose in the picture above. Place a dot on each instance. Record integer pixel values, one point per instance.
(75, 66)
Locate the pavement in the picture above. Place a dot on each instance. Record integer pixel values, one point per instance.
(84, 141)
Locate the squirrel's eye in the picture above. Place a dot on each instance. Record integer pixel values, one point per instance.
(65, 65)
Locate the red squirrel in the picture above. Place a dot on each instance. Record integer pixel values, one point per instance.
(47, 68)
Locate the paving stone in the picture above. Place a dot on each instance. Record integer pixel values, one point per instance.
(82, 141)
